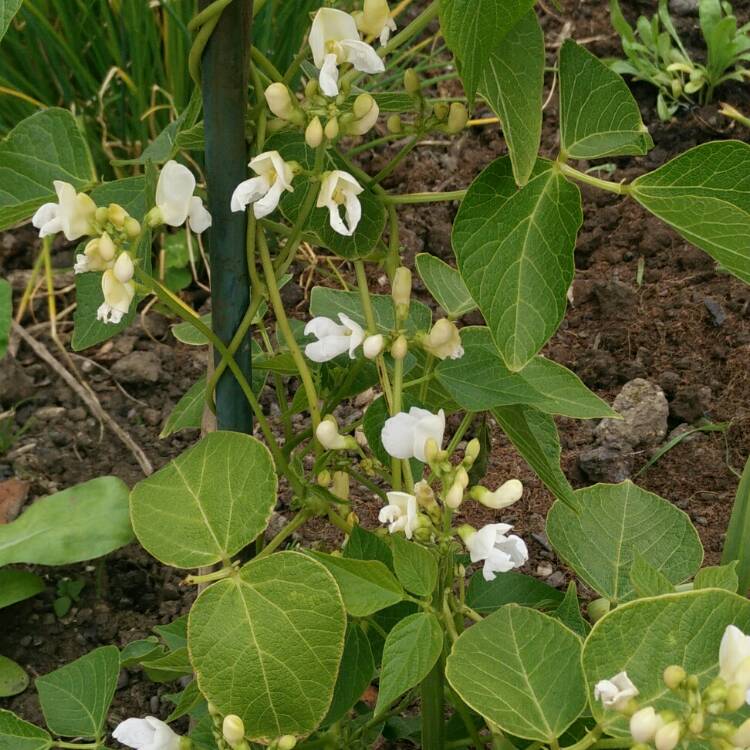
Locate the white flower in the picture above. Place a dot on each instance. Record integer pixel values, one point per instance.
(334, 39)
(668, 736)
(71, 215)
(505, 495)
(233, 729)
(644, 724)
(333, 339)
(375, 20)
(444, 340)
(146, 734)
(330, 438)
(118, 290)
(615, 692)
(341, 189)
(400, 514)
(734, 657)
(500, 552)
(404, 435)
(366, 111)
(98, 255)
(741, 738)
(175, 200)
(373, 346)
(264, 191)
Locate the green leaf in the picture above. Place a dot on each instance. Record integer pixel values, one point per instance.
(515, 254)
(80, 523)
(569, 612)
(135, 651)
(535, 437)
(364, 545)
(415, 566)
(366, 585)
(42, 148)
(167, 667)
(445, 284)
(17, 734)
(512, 83)
(186, 701)
(473, 29)
(510, 588)
(521, 670)
(75, 698)
(613, 523)
(718, 577)
(646, 636)
(705, 195)
(479, 381)
(646, 580)
(189, 334)
(411, 650)
(188, 412)
(6, 314)
(17, 585)
(598, 114)
(266, 644)
(735, 544)
(13, 680)
(174, 633)
(214, 499)
(355, 674)
(8, 9)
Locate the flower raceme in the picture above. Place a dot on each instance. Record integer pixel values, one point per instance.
(333, 339)
(118, 290)
(98, 255)
(375, 20)
(400, 514)
(334, 39)
(175, 202)
(492, 545)
(147, 734)
(72, 214)
(405, 434)
(264, 191)
(615, 692)
(338, 188)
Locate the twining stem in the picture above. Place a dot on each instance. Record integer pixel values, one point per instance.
(364, 296)
(403, 152)
(404, 198)
(299, 520)
(611, 187)
(286, 330)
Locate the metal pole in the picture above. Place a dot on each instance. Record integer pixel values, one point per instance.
(224, 76)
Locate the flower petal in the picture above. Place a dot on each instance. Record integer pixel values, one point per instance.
(328, 348)
(173, 192)
(397, 435)
(44, 214)
(198, 216)
(270, 201)
(136, 733)
(321, 327)
(328, 79)
(249, 191)
(362, 56)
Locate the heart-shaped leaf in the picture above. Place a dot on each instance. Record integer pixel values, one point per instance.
(17, 734)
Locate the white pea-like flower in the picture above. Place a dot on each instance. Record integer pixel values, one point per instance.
(334, 39)
(375, 20)
(734, 657)
(147, 734)
(333, 339)
(264, 191)
(331, 439)
(98, 255)
(505, 495)
(499, 551)
(616, 691)
(118, 290)
(405, 434)
(338, 188)
(668, 736)
(644, 724)
(72, 214)
(444, 340)
(400, 514)
(176, 202)
(373, 346)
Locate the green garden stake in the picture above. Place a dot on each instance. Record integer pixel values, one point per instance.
(224, 83)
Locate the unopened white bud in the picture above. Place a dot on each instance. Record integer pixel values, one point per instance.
(329, 437)
(444, 340)
(124, 268)
(314, 133)
(341, 484)
(455, 496)
(233, 729)
(644, 724)
(668, 736)
(399, 348)
(458, 116)
(741, 738)
(279, 100)
(506, 494)
(462, 477)
(401, 290)
(373, 346)
(287, 742)
(332, 129)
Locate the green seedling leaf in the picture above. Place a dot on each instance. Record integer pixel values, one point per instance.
(17, 585)
(266, 644)
(411, 650)
(510, 588)
(735, 544)
(215, 498)
(75, 698)
(616, 522)
(6, 314)
(598, 114)
(445, 284)
(13, 680)
(45, 147)
(512, 83)
(167, 667)
(515, 253)
(416, 567)
(534, 687)
(366, 585)
(80, 523)
(17, 734)
(705, 195)
(188, 412)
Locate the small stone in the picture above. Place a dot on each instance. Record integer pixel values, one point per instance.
(544, 570)
(690, 403)
(154, 704)
(701, 520)
(616, 300)
(123, 679)
(138, 368)
(683, 7)
(718, 316)
(13, 493)
(604, 463)
(556, 580)
(15, 384)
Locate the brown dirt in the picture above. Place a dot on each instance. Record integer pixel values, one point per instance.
(661, 329)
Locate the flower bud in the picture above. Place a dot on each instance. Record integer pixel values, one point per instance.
(674, 676)
(736, 696)
(441, 110)
(399, 348)
(311, 88)
(741, 738)
(424, 494)
(279, 100)
(457, 118)
(363, 104)
(101, 215)
(411, 82)
(401, 288)
(473, 449)
(233, 729)
(667, 737)
(117, 214)
(332, 129)
(154, 218)
(323, 478)
(431, 450)
(366, 110)
(340, 484)
(314, 133)
(132, 227)
(696, 723)
(394, 124)
(124, 268)
(644, 724)
(444, 340)
(105, 247)
(505, 495)
(598, 608)
(373, 346)
(455, 496)
(287, 742)
(329, 437)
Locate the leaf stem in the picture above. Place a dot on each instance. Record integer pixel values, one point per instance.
(404, 198)
(299, 520)
(611, 187)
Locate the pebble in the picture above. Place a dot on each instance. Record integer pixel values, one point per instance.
(138, 368)
(544, 570)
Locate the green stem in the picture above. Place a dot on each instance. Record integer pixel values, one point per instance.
(299, 520)
(404, 198)
(364, 296)
(463, 711)
(267, 66)
(587, 740)
(460, 432)
(403, 152)
(433, 706)
(611, 187)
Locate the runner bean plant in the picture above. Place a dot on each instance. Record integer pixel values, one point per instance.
(285, 640)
